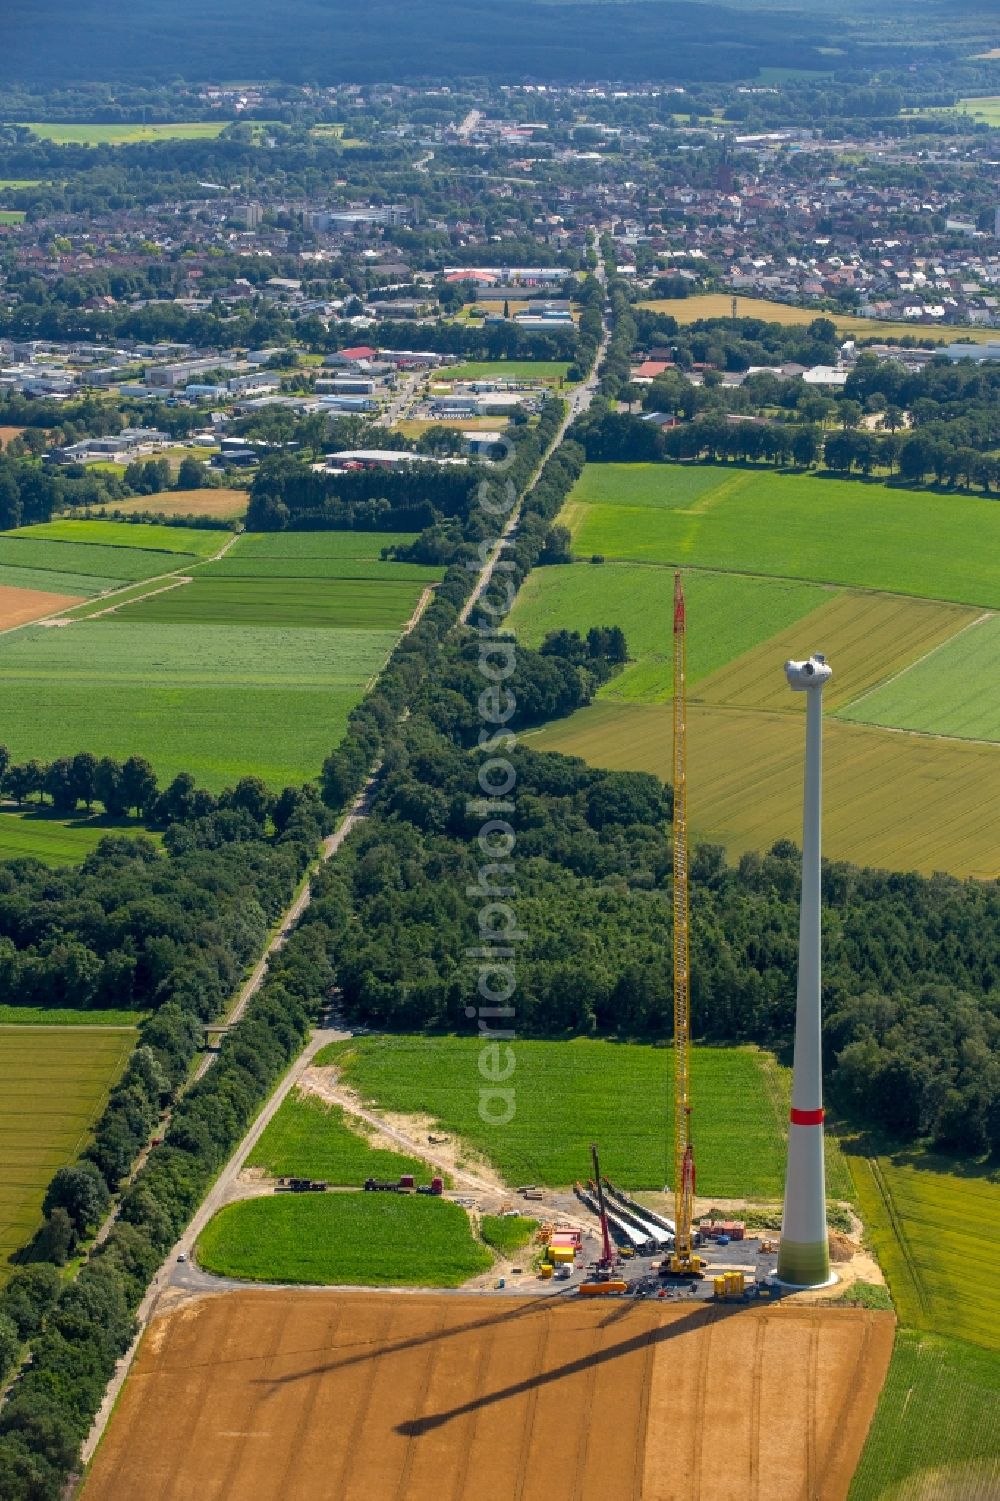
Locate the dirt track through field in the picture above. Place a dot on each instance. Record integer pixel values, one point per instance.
(308, 1396)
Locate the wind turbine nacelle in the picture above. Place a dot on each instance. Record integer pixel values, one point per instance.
(812, 673)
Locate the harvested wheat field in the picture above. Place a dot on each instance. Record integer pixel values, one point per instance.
(307, 1396)
(19, 606)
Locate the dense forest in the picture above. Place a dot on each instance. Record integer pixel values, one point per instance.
(331, 42)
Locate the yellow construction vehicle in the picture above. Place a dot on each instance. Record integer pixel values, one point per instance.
(683, 1262)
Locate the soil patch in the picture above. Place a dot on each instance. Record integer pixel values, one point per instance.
(20, 606)
(413, 1397)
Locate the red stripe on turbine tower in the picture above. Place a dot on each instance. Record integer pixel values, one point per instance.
(806, 1117)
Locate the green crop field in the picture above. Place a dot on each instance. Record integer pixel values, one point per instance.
(11, 216)
(507, 1233)
(310, 1138)
(66, 1016)
(745, 782)
(20, 182)
(568, 1094)
(61, 134)
(936, 1432)
(792, 526)
(378, 1240)
(145, 535)
(949, 692)
(320, 555)
(55, 1083)
(73, 559)
(729, 614)
(355, 604)
(932, 1232)
(218, 701)
(50, 582)
(547, 372)
(985, 109)
(54, 840)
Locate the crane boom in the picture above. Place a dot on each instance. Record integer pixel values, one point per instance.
(683, 1261)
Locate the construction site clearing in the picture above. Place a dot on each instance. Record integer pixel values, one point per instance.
(311, 1394)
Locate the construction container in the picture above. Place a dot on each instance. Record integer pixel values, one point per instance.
(734, 1284)
(603, 1289)
(566, 1232)
(719, 1285)
(546, 1269)
(406, 1181)
(562, 1253)
(734, 1229)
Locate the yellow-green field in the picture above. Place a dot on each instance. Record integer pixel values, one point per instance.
(984, 110)
(867, 637)
(62, 134)
(934, 1234)
(719, 305)
(904, 802)
(55, 1083)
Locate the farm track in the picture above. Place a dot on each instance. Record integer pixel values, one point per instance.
(899, 1232)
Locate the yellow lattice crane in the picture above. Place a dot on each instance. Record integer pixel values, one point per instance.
(683, 1262)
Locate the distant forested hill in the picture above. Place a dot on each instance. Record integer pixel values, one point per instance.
(330, 41)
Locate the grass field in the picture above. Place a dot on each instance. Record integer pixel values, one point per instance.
(55, 1083)
(745, 780)
(719, 305)
(353, 604)
(932, 1232)
(20, 182)
(44, 836)
(147, 536)
(126, 135)
(569, 1094)
(949, 692)
(547, 372)
(985, 109)
(11, 216)
(734, 613)
(378, 1240)
(218, 701)
(791, 526)
(309, 1138)
(507, 1233)
(227, 505)
(867, 637)
(936, 1431)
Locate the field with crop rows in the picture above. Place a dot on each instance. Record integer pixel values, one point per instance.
(220, 701)
(147, 536)
(353, 604)
(310, 1138)
(62, 134)
(937, 1428)
(933, 1233)
(791, 526)
(745, 783)
(569, 1094)
(507, 1233)
(55, 1083)
(735, 613)
(867, 637)
(950, 692)
(249, 669)
(56, 841)
(378, 1240)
